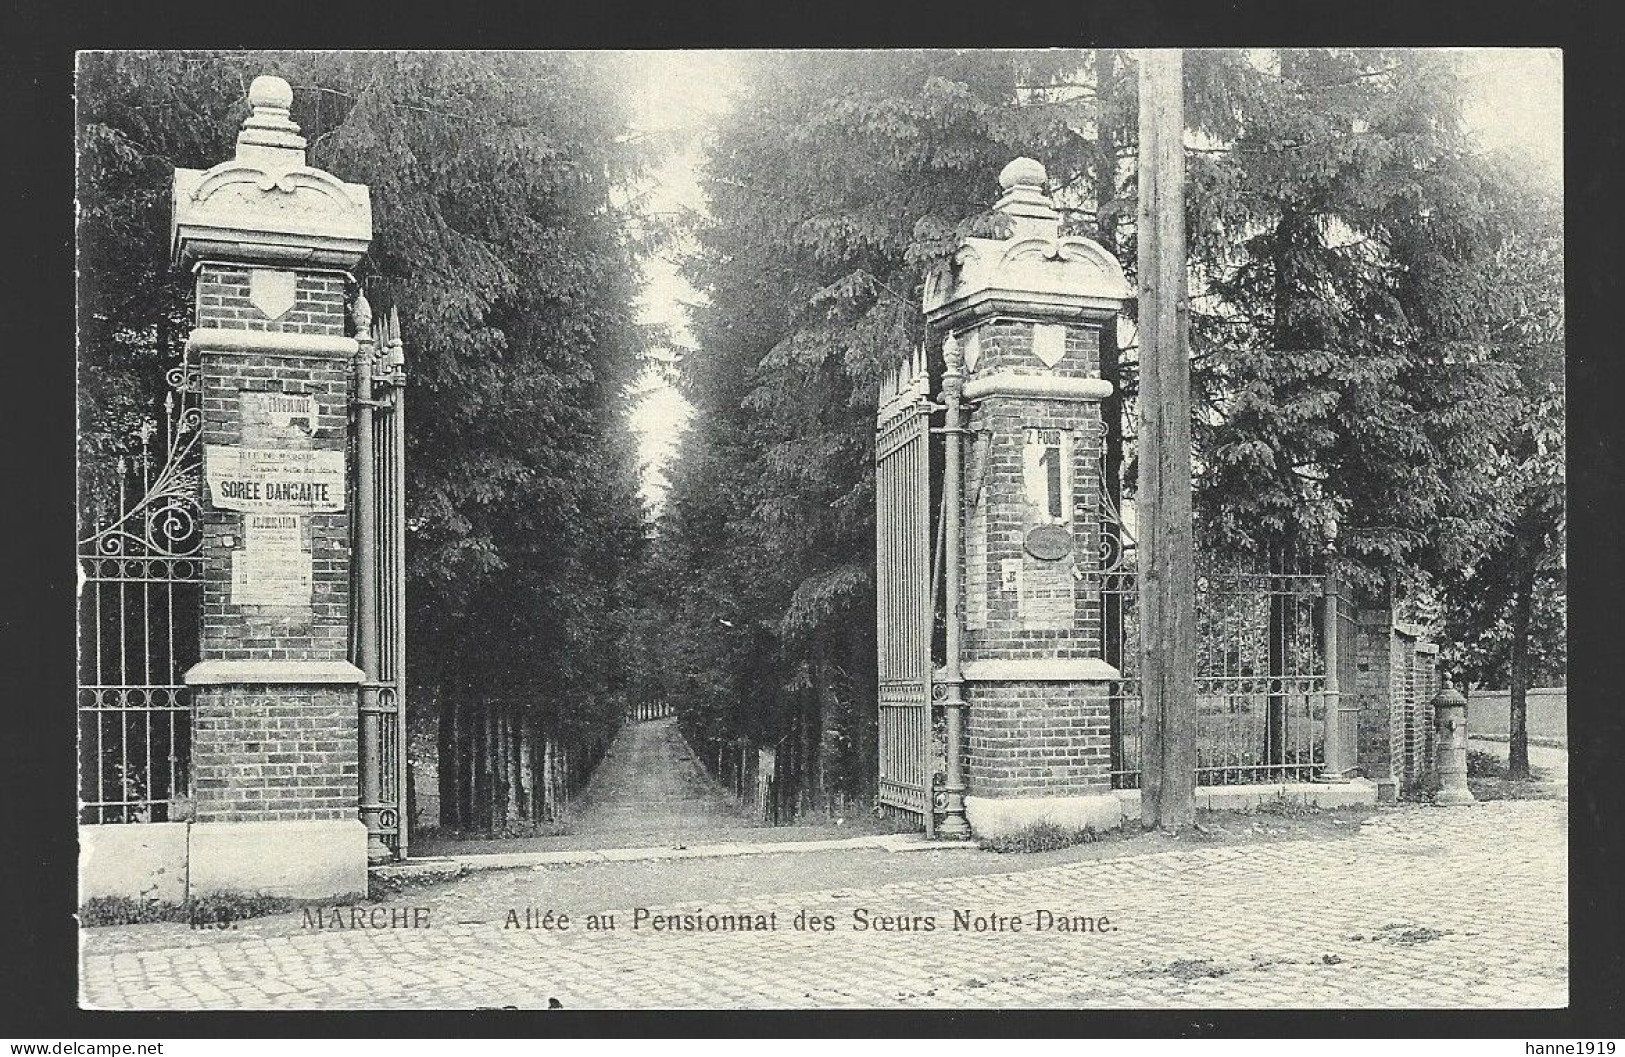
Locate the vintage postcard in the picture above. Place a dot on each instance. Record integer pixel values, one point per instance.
(885, 529)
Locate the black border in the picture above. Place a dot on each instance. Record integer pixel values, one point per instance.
(37, 861)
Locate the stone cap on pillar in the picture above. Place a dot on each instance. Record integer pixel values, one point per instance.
(224, 672)
(266, 206)
(1034, 273)
(1447, 695)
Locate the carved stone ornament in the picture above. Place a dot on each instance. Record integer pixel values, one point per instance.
(1035, 269)
(266, 204)
(1049, 343)
(273, 291)
(972, 344)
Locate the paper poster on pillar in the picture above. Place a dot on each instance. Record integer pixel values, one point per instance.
(271, 479)
(279, 416)
(273, 565)
(1046, 601)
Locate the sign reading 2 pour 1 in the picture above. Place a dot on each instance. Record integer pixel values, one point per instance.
(274, 479)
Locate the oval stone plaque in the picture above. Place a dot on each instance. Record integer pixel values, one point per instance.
(1049, 542)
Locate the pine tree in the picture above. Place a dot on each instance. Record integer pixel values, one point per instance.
(1341, 217)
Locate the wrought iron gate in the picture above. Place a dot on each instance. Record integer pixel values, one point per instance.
(903, 595)
(140, 601)
(1262, 689)
(379, 598)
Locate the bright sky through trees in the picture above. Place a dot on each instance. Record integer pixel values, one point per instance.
(681, 93)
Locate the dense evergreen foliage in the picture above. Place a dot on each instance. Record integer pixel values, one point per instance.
(1345, 242)
(497, 238)
(1376, 346)
(1347, 230)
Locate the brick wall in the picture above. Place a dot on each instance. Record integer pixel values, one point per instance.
(1007, 345)
(1427, 683)
(273, 753)
(1033, 738)
(1026, 621)
(318, 631)
(1416, 681)
(1037, 739)
(283, 752)
(1402, 728)
(1396, 679)
(1373, 689)
(223, 301)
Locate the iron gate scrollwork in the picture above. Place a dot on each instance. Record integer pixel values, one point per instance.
(140, 597)
(903, 595)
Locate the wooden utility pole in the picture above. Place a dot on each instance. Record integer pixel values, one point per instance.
(1167, 558)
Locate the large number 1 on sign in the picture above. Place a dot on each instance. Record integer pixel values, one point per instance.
(1050, 463)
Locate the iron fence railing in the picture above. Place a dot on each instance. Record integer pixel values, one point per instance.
(1261, 688)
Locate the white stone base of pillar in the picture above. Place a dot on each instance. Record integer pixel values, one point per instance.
(295, 859)
(993, 817)
(143, 861)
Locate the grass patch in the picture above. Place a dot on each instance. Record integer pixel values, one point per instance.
(381, 884)
(1485, 789)
(1488, 778)
(508, 831)
(208, 911)
(1492, 765)
(1039, 837)
(1284, 806)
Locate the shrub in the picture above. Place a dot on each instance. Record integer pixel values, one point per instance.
(1287, 806)
(1041, 836)
(217, 909)
(1485, 765)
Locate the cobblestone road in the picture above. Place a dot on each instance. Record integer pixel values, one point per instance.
(1425, 907)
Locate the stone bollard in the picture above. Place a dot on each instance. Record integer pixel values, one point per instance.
(1450, 724)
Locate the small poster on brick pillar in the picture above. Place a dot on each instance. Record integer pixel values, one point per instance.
(273, 566)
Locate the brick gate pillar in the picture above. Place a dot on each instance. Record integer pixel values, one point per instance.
(274, 752)
(1024, 315)
(1377, 691)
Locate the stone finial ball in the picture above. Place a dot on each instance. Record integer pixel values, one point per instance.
(270, 92)
(1023, 172)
